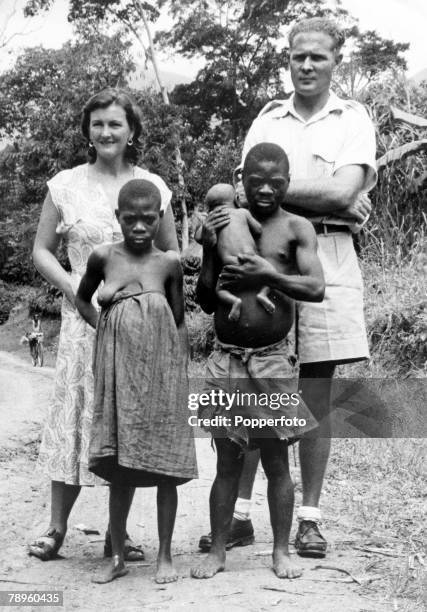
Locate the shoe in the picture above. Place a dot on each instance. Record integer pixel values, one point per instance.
(43, 549)
(309, 542)
(241, 534)
(132, 552)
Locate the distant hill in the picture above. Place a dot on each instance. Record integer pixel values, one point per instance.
(142, 77)
(419, 76)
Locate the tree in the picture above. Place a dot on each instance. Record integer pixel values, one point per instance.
(134, 15)
(370, 57)
(7, 34)
(41, 99)
(244, 48)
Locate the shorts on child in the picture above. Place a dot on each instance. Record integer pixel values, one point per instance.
(265, 387)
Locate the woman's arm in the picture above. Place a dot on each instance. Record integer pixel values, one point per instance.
(45, 246)
(166, 239)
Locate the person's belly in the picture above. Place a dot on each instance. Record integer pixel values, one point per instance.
(256, 327)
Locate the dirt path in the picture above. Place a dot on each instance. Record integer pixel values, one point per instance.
(247, 584)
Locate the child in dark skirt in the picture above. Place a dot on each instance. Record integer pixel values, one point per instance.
(140, 432)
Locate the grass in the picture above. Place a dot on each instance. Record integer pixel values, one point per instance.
(396, 315)
(379, 492)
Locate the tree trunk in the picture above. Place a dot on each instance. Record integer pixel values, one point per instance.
(178, 158)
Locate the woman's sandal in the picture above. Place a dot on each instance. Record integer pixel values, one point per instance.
(132, 552)
(44, 550)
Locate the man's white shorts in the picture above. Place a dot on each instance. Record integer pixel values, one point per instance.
(334, 330)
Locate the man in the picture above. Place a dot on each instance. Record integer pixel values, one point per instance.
(253, 345)
(331, 147)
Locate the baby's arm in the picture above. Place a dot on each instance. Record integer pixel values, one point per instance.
(175, 297)
(88, 285)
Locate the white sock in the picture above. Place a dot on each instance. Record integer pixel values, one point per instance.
(242, 509)
(309, 513)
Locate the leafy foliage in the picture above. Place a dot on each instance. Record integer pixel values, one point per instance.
(41, 99)
(371, 57)
(243, 46)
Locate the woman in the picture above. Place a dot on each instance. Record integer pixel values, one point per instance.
(80, 207)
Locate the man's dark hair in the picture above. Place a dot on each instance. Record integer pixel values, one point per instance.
(265, 151)
(139, 188)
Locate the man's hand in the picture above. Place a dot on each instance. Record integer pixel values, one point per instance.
(359, 211)
(252, 270)
(216, 220)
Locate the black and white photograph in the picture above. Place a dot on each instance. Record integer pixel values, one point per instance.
(213, 305)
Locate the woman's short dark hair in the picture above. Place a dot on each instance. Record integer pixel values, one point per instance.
(105, 98)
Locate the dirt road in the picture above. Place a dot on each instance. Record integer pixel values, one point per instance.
(248, 582)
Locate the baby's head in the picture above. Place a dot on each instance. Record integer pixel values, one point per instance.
(220, 194)
(139, 212)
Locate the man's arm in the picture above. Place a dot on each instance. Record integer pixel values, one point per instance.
(308, 285)
(206, 283)
(335, 194)
(88, 285)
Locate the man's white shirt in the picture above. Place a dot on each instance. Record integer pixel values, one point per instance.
(340, 134)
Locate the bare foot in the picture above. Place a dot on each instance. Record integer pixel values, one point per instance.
(235, 310)
(284, 567)
(165, 572)
(116, 569)
(210, 566)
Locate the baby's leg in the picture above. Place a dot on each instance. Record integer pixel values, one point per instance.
(280, 493)
(167, 501)
(233, 301)
(264, 300)
(119, 502)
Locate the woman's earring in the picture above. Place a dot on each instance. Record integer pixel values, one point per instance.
(90, 144)
(130, 142)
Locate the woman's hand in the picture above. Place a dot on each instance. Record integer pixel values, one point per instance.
(252, 270)
(216, 220)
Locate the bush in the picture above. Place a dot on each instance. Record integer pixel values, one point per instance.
(11, 296)
(400, 338)
(46, 302)
(201, 333)
(191, 263)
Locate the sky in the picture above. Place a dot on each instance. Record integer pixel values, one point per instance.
(400, 20)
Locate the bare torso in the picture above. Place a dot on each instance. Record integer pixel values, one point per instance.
(124, 271)
(255, 326)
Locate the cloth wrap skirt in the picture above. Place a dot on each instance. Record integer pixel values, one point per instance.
(140, 433)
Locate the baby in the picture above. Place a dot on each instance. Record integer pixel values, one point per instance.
(238, 237)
